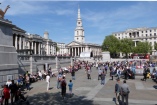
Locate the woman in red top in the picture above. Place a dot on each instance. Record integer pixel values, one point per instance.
(6, 92)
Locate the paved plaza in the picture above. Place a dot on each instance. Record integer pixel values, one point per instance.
(91, 92)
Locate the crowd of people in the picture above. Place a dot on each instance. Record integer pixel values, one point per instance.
(118, 70)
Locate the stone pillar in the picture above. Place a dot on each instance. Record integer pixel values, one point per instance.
(20, 43)
(47, 49)
(38, 48)
(32, 46)
(72, 63)
(72, 52)
(75, 51)
(78, 51)
(57, 67)
(135, 43)
(16, 42)
(31, 64)
(35, 48)
(24, 43)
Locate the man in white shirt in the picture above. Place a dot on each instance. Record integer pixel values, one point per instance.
(8, 82)
(48, 81)
(40, 75)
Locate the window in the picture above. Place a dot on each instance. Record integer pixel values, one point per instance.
(154, 38)
(150, 34)
(78, 22)
(150, 30)
(146, 31)
(154, 34)
(142, 31)
(77, 38)
(146, 35)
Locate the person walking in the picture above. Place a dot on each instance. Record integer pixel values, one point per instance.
(13, 87)
(63, 87)
(73, 73)
(99, 73)
(27, 82)
(59, 79)
(70, 87)
(103, 78)
(117, 91)
(88, 73)
(48, 81)
(125, 92)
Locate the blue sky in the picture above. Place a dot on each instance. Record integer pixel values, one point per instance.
(100, 18)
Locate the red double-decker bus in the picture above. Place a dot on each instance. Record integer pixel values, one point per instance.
(140, 56)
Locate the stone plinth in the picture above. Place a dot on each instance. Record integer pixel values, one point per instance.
(8, 54)
(106, 56)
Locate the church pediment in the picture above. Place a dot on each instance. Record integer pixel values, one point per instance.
(73, 44)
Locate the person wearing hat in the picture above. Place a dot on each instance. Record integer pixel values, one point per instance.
(125, 92)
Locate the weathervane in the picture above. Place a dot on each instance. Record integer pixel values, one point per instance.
(2, 13)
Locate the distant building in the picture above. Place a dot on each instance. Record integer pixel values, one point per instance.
(62, 49)
(139, 35)
(39, 45)
(78, 46)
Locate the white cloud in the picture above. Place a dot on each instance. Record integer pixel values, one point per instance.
(120, 17)
(31, 7)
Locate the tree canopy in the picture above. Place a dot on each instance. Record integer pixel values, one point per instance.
(111, 44)
(126, 46)
(114, 46)
(143, 47)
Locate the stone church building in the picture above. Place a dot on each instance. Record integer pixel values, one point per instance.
(78, 47)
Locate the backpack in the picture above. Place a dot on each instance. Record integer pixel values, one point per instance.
(63, 83)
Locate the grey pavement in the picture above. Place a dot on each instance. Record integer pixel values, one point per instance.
(91, 92)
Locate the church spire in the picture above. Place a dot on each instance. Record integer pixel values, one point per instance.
(79, 15)
(79, 31)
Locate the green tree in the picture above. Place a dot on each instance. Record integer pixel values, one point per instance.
(126, 46)
(143, 47)
(155, 46)
(111, 44)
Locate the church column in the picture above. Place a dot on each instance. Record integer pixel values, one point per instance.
(78, 51)
(72, 52)
(20, 43)
(75, 51)
(16, 41)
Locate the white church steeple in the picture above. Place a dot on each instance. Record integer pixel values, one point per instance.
(79, 31)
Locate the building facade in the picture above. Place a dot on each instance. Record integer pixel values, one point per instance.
(39, 45)
(139, 35)
(61, 49)
(78, 46)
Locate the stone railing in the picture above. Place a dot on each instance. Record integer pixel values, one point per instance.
(40, 57)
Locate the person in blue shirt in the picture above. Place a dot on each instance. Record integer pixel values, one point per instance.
(70, 87)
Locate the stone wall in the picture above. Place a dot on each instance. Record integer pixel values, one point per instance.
(8, 54)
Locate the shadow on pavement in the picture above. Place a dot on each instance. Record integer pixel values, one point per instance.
(56, 99)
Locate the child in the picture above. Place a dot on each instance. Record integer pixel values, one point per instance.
(70, 87)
